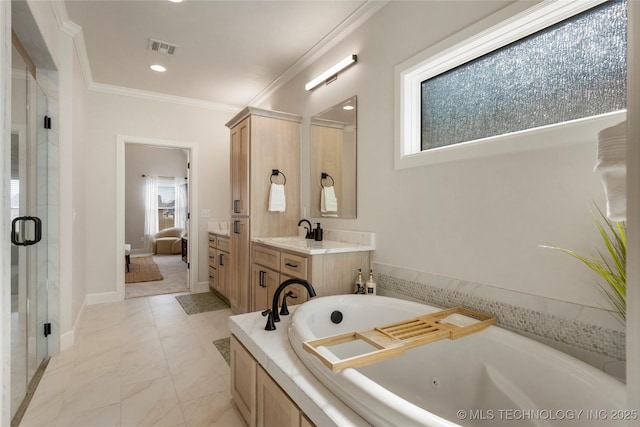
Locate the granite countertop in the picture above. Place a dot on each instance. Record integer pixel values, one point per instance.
(311, 247)
(218, 228)
(274, 353)
(335, 241)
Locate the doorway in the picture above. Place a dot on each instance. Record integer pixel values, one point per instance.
(156, 219)
(29, 205)
(131, 192)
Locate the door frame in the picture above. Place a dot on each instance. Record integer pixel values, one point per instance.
(192, 243)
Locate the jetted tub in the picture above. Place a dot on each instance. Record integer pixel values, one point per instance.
(491, 377)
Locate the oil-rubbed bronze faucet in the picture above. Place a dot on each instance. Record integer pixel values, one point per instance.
(272, 312)
(310, 234)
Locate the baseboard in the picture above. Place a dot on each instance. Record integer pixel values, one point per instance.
(67, 340)
(103, 298)
(200, 287)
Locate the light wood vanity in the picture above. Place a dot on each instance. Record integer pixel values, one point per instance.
(258, 398)
(329, 273)
(219, 260)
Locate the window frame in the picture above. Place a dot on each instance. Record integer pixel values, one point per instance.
(166, 183)
(498, 30)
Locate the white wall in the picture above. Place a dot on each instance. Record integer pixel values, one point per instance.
(147, 160)
(478, 220)
(79, 168)
(112, 115)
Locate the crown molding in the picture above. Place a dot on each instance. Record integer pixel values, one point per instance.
(162, 97)
(346, 27)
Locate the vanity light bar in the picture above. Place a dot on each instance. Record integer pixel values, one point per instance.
(331, 72)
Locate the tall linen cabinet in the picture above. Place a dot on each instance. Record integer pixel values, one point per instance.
(262, 141)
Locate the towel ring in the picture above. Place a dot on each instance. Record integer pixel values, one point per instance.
(276, 172)
(324, 176)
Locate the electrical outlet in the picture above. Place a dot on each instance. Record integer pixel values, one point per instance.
(206, 213)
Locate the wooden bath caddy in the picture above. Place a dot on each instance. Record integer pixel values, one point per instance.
(392, 340)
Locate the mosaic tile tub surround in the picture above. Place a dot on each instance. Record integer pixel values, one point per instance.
(589, 334)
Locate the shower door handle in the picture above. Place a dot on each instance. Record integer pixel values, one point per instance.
(18, 236)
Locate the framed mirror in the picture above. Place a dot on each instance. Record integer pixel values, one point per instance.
(333, 161)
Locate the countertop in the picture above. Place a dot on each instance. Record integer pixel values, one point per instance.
(218, 228)
(274, 353)
(335, 241)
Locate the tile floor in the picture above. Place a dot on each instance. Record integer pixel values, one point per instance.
(139, 362)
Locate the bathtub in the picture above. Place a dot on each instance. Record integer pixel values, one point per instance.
(490, 378)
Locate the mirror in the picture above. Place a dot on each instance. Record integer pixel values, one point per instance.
(333, 161)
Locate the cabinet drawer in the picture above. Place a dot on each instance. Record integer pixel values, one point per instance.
(223, 244)
(267, 257)
(299, 296)
(213, 239)
(293, 265)
(212, 257)
(212, 278)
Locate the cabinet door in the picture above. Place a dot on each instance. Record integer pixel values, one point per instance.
(243, 381)
(240, 168)
(264, 283)
(223, 260)
(240, 251)
(274, 408)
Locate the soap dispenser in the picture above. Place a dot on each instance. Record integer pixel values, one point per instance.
(370, 285)
(359, 289)
(318, 233)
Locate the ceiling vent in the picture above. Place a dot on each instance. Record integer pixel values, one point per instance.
(162, 47)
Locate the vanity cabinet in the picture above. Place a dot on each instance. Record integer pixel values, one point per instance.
(258, 398)
(261, 141)
(274, 408)
(330, 274)
(243, 381)
(219, 260)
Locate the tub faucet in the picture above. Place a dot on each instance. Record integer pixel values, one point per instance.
(310, 234)
(272, 313)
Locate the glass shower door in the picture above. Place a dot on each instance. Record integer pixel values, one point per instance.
(29, 204)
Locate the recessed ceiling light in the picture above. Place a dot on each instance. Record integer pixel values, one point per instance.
(158, 68)
(175, 1)
(348, 107)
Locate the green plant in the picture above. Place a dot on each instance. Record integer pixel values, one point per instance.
(610, 265)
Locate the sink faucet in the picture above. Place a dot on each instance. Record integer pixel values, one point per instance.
(273, 311)
(310, 234)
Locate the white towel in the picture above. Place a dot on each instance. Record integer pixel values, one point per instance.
(612, 166)
(277, 200)
(328, 200)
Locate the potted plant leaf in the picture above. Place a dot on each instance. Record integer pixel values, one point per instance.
(610, 265)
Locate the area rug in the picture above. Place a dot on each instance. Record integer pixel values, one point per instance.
(224, 347)
(201, 303)
(174, 272)
(142, 269)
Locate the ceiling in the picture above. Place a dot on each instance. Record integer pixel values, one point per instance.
(229, 52)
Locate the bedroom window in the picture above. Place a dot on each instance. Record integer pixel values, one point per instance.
(557, 62)
(166, 203)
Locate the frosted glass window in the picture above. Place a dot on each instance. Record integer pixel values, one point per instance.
(570, 70)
